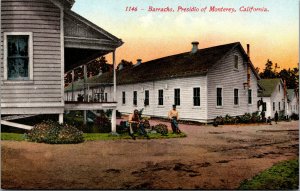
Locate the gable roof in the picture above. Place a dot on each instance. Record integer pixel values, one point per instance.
(175, 66)
(268, 86)
(64, 3)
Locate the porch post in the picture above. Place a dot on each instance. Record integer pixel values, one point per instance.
(73, 77)
(115, 77)
(84, 81)
(61, 118)
(113, 115)
(113, 121)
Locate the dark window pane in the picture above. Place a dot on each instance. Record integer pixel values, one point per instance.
(196, 97)
(17, 57)
(123, 98)
(160, 97)
(249, 96)
(219, 96)
(177, 96)
(236, 96)
(146, 102)
(17, 68)
(135, 98)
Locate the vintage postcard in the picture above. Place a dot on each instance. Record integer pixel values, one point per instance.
(165, 94)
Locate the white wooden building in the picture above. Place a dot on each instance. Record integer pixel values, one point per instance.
(274, 95)
(293, 102)
(41, 40)
(203, 83)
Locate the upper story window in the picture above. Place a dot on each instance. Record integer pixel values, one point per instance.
(279, 87)
(18, 62)
(236, 62)
(273, 106)
(196, 97)
(279, 106)
(160, 97)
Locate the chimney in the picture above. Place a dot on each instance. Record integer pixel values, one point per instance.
(121, 66)
(139, 61)
(194, 47)
(248, 50)
(248, 66)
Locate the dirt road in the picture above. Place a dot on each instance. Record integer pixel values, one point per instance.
(209, 158)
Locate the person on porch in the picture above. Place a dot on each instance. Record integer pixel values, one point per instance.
(173, 116)
(134, 119)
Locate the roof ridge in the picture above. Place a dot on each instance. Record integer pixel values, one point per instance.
(189, 52)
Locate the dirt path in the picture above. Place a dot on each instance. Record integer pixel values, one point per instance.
(209, 158)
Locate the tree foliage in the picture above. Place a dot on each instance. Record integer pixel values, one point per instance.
(125, 64)
(291, 76)
(93, 68)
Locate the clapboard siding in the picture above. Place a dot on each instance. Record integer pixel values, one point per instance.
(30, 100)
(186, 109)
(224, 75)
(277, 97)
(42, 18)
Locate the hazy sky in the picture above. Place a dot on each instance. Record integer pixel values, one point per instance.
(149, 35)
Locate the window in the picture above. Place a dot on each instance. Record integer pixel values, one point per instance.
(177, 96)
(146, 102)
(219, 97)
(160, 97)
(273, 106)
(236, 62)
(279, 87)
(196, 97)
(134, 97)
(278, 106)
(123, 98)
(18, 56)
(249, 96)
(236, 96)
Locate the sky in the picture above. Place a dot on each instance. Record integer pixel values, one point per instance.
(273, 34)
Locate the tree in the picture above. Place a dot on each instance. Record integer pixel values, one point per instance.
(125, 64)
(268, 71)
(257, 70)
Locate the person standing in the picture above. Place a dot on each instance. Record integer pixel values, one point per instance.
(134, 119)
(276, 117)
(173, 116)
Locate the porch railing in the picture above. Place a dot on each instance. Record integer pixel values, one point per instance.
(89, 92)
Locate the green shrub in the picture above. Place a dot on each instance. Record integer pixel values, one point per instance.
(54, 133)
(255, 117)
(246, 118)
(229, 119)
(295, 116)
(161, 128)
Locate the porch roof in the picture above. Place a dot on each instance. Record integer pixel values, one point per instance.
(85, 41)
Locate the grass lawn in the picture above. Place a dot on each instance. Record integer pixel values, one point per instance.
(284, 175)
(108, 136)
(94, 136)
(12, 136)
